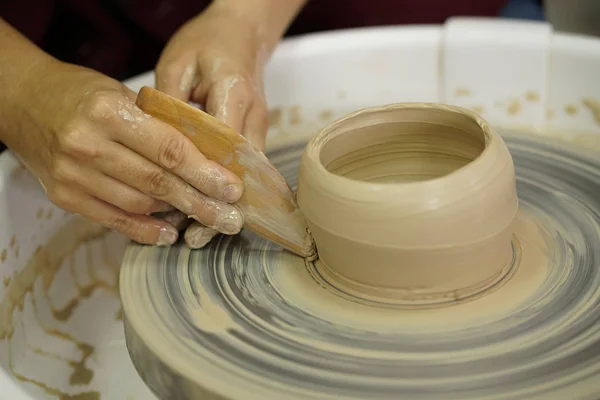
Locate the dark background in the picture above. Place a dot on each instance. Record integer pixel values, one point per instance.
(123, 38)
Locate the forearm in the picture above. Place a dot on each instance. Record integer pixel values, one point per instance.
(19, 58)
(271, 17)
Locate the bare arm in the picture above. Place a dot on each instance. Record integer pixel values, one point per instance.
(272, 17)
(98, 155)
(19, 60)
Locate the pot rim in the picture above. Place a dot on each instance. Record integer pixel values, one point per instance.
(316, 144)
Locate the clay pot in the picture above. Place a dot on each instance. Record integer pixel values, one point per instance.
(410, 202)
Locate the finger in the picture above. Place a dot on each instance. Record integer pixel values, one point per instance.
(178, 219)
(179, 78)
(70, 171)
(229, 100)
(198, 236)
(167, 147)
(139, 228)
(257, 125)
(119, 194)
(147, 177)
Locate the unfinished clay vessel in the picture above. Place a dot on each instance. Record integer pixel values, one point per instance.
(412, 202)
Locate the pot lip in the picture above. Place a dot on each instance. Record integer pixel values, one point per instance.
(314, 157)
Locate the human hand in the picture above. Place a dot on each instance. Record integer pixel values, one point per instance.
(221, 69)
(98, 155)
(217, 60)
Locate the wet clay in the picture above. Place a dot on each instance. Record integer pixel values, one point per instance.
(410, 201)
(241, 319)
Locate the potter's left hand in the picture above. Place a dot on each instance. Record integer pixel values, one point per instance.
(217, 60)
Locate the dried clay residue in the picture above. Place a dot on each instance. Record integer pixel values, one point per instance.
(532, 96)
(295, 116)
(275, 117)
(594, 107)
(30, 289)
(514, 108)
(326, 115)
(570, 109)
(462, 92)
(131, 113)
(41, 213)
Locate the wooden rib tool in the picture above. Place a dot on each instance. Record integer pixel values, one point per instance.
(268, 203)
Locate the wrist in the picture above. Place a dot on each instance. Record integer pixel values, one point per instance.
(269, 18)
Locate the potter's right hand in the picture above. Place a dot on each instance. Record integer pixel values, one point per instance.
(97, 154)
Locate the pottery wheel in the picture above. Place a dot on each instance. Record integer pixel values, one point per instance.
(242, 319)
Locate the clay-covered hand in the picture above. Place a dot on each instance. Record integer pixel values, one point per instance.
(216, 60)
(97, 154)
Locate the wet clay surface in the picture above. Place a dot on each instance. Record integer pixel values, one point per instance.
(241, 319)
(410, 202)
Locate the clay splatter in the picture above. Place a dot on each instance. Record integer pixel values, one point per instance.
(119, 315)
(326, 115)
(570, 109)
(594, 107)
(462, 92)
(295, 116)
(514, 108)
(74, 237)
(532, 96)
(275, 117)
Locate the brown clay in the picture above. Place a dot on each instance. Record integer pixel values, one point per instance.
(410, 201)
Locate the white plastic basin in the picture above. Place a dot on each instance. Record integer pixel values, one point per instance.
(60, 301)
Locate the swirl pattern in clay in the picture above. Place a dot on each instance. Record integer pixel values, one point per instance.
(242, 319)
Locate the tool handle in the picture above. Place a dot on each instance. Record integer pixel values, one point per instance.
(268, 203)
(212, 137)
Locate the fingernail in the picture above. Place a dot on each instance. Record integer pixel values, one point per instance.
(232, 193)
(167, 236)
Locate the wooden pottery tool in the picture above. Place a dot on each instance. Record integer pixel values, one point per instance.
(268, 203)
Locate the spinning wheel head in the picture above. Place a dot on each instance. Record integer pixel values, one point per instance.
(241, 319)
